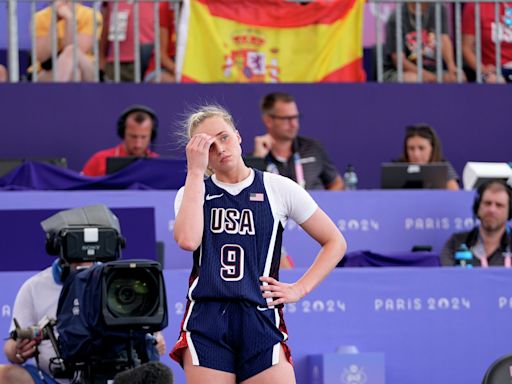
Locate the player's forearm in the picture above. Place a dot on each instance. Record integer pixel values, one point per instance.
(188, 228)
(327, 259)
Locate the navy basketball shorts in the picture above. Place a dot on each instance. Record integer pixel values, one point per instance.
(232, 336)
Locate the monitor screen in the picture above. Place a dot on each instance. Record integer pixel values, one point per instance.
(414, 176)
(255, 162)
(115, 164)
(7, 165)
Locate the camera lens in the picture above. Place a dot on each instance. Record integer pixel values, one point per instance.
(132, 293)
(126, 294)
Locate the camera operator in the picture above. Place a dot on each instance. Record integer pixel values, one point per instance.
(38, 297)
(37, 301)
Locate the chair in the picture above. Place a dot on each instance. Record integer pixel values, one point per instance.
(500, 372)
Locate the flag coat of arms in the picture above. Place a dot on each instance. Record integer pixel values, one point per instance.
(247, 41)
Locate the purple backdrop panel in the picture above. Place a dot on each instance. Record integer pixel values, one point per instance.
(23, 240)
(143, 215)
(362, 124)
(386, 221)
(423, 320)
(380, 221)
(426, 321)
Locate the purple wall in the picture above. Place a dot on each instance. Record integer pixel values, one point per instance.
(431, 324)
(19, 225)
(359, 123)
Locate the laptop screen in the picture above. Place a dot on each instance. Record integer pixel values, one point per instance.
(414, 176)
(115, 164)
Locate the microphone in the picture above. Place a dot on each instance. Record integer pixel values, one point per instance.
(463, 256)
(153, 372)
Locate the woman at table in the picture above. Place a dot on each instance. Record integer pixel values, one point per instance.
(233, 330)
(422, 146)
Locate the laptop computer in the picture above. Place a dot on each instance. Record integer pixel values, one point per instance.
(414, 176)
(7, 165)
(115, 164)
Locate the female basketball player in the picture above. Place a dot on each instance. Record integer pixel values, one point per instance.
(233, 330)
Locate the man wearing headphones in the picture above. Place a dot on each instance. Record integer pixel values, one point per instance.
(137, 127)
(489, 242)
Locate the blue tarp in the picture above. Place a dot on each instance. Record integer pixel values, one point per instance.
(141, 174)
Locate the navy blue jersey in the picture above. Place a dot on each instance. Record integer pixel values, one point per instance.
(241, 242)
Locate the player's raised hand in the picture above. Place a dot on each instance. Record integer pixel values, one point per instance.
(197, 151)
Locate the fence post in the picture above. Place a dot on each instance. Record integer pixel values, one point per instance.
(13, 60)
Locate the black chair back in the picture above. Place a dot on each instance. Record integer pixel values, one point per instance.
(500, 372)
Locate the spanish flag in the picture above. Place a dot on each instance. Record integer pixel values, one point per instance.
(247, 41)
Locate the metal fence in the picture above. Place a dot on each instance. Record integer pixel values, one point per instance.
(456, 6)
(381, 52)
(114, 40)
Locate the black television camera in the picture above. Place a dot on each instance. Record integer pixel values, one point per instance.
(107, 310)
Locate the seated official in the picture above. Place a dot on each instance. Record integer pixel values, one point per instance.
(422, 146)
(37, 297)
(489, 242)
(137, 127)
(297, 157)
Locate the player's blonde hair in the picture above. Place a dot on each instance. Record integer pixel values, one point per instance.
(197, 116)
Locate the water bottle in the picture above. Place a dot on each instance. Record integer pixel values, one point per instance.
(463, 256)
(350, 178)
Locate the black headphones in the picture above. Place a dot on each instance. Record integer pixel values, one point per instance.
(121, 121)
(483, 187)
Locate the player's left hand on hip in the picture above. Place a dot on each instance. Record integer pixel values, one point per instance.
(280, 293)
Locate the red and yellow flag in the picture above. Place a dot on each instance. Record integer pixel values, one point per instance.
(247, 41)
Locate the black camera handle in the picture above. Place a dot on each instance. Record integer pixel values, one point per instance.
(49, 332)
